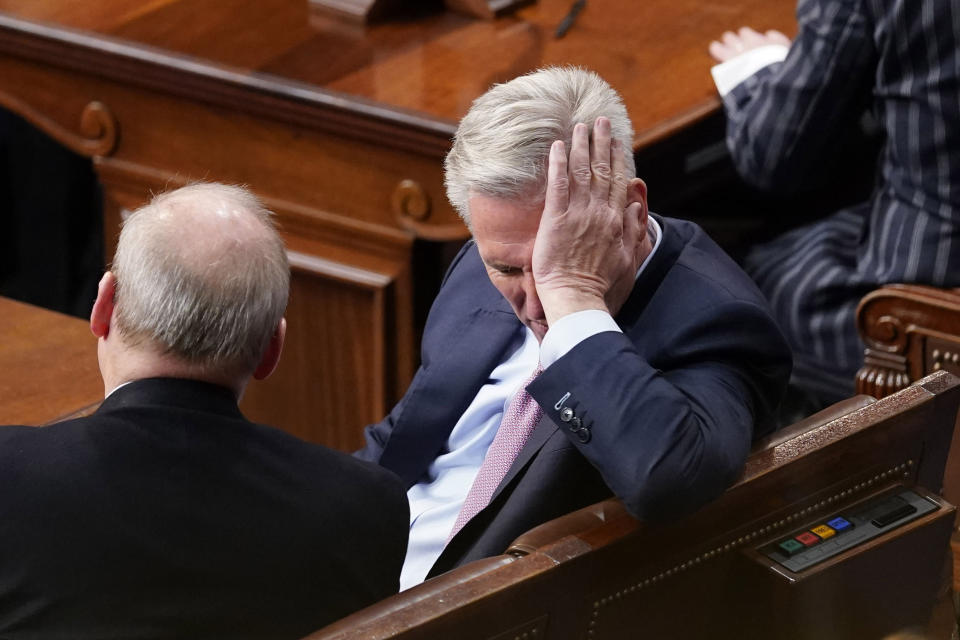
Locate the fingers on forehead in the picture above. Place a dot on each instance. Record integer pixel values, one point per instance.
(557, 185)
(579, 161)
(580, 142)
(618, 173)
(601, 141)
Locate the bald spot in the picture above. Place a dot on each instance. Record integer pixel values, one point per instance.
(208, 229)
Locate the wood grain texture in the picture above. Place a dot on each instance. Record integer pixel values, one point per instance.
(348, 355)
(48, 365)
(341, 130)
(336, 356)
(653, 52)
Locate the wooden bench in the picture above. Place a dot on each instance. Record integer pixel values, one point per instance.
(600, 574)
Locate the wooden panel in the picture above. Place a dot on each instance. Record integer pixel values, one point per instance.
(435, 65)
(347, 184)
(48, 365)
(348, 357)
(341, 131)
(332, 377)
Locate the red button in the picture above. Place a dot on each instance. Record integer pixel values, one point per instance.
(807, 538)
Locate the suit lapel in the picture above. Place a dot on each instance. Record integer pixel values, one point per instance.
(653, 274)
(472, 344)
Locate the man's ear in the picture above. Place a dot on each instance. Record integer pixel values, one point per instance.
(637, 192)
(271, 355)
(102, 312)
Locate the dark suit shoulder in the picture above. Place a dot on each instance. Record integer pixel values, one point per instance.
(192, 501)
(704, 260)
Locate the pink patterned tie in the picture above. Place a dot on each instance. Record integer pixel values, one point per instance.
(518, 422)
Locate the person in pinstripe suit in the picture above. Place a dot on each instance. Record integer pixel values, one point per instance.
(788, 103)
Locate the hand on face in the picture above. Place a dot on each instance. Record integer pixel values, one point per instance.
(587, 248)
(733, 44)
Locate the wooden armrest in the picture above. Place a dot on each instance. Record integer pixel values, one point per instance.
(423, 598)
(818, 419)
(579, 522)
(571, 524)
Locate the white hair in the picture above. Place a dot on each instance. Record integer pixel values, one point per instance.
(501, 146)
(202, 275)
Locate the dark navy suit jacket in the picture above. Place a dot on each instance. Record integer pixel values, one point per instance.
(166, 514)
(667, 409)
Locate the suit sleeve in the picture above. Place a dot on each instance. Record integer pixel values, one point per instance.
(670, 435)
(783, 121)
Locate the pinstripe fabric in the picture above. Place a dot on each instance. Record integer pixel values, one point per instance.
(901, 58)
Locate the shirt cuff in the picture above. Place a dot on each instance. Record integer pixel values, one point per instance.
(571, 330)
(729, 74)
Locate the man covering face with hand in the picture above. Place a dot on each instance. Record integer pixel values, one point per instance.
(579, 346)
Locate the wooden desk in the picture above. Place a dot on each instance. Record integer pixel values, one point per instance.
(341, 131)
(48, 365)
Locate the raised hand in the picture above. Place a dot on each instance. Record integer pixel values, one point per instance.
(588, 244)
(733, 44)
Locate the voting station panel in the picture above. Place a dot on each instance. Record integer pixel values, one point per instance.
(869, 560)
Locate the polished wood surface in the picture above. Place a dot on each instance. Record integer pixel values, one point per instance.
(48, 365)
(341, 131)
(654, 52)
(600, 574)
(371, 11)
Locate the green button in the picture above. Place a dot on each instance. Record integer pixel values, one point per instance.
(791, 547)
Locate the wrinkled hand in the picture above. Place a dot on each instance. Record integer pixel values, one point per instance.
(587, 241)
(733, 44)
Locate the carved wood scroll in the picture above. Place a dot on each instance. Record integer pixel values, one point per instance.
(412, 206)
(898, 325)
(98, 126)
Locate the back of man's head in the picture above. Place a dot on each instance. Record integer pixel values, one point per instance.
(501, 146)
(201, 278)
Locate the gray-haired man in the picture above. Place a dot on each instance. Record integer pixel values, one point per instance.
(659, 357)
(166, 513)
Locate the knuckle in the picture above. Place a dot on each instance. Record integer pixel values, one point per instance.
(560, 182)
(601, 169)
(582, 174)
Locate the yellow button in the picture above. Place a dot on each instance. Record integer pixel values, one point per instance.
(823, 531)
